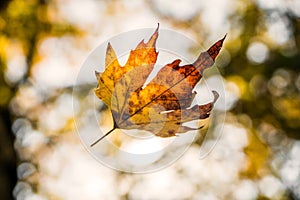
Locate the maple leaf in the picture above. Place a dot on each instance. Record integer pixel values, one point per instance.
(164, 104)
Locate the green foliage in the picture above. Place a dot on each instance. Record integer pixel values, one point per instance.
(263, 103)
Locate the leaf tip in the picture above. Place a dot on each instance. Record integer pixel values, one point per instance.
(110, 55)
(154, 37)
(109, 47)
(216, 95)
(214, 50)
(98, 74)
(222, 40)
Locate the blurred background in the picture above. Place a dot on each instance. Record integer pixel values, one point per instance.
(43, 44)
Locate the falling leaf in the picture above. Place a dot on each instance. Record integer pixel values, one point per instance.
(164, 104)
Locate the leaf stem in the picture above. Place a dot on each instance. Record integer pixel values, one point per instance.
(109, 132)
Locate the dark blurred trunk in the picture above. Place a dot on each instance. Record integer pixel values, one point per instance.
(8, 176)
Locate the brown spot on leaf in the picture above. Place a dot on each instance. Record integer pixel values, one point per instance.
(171, 132)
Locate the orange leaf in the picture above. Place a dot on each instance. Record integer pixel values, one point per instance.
(163, 105)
